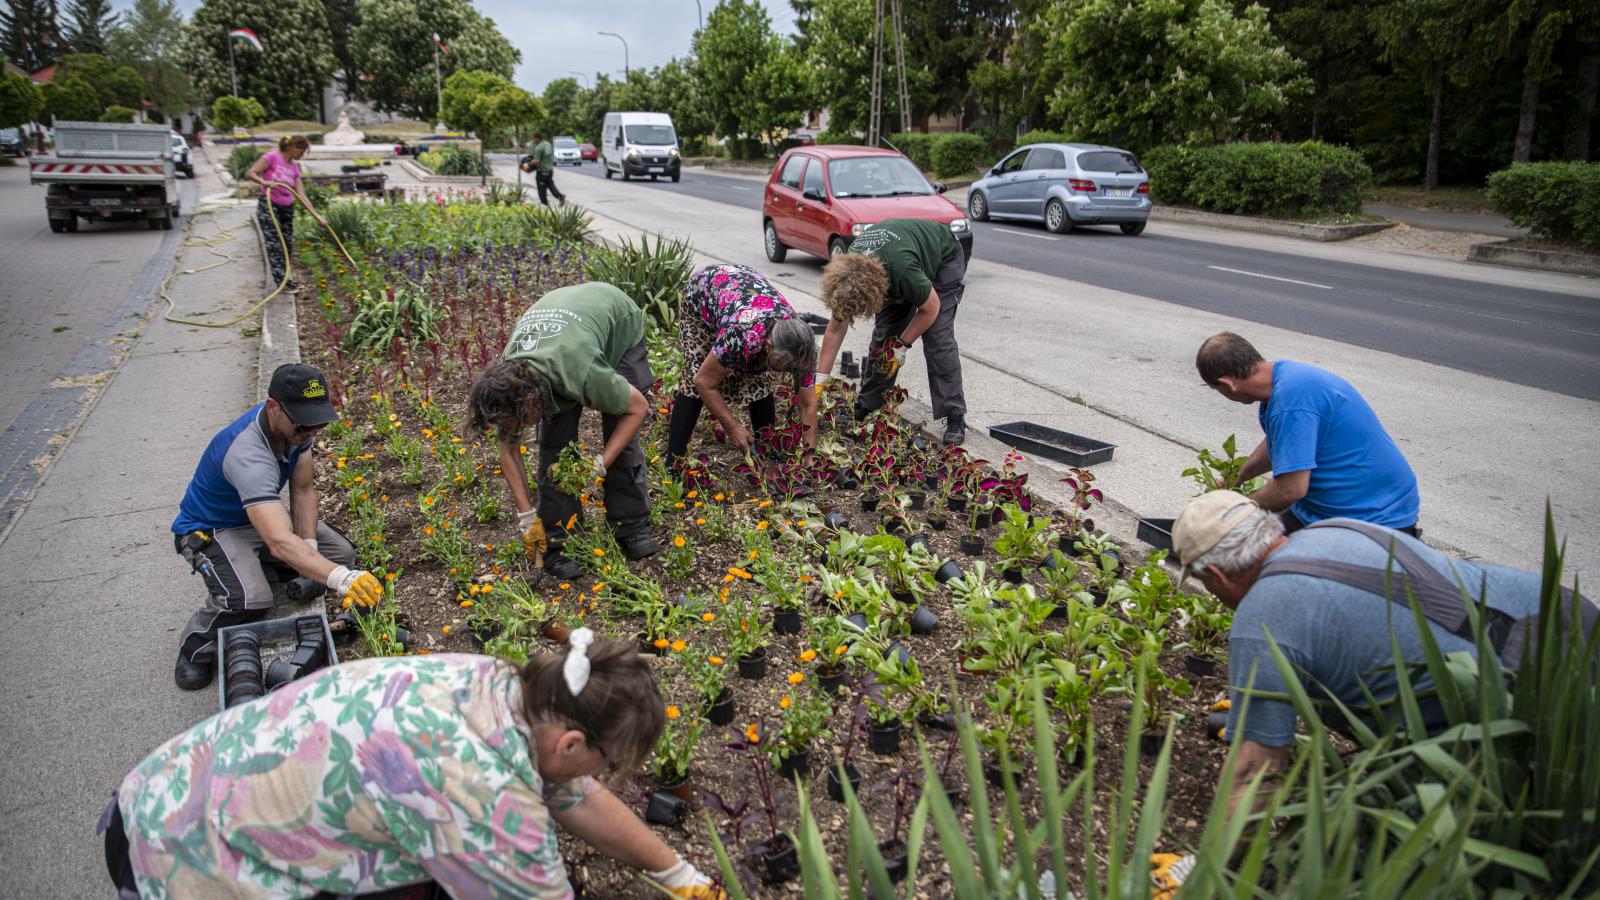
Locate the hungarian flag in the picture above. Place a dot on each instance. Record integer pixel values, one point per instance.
(439, 42)
(246, 35)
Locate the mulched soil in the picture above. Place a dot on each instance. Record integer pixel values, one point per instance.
(428, 600)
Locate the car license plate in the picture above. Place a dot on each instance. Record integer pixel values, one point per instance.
(108, 201)
(656, 169)
(1119, 192)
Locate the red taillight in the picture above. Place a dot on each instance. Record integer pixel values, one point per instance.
(1081, 184)
(1144, 187)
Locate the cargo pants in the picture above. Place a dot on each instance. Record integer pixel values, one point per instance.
(939, 348)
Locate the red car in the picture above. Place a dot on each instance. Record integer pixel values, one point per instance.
(820, 197)
(587, 151)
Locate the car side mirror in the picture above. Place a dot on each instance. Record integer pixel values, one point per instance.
(814, 195)
(994, 171)
(940, 187)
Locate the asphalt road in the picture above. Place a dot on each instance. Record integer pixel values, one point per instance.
(1537, 338)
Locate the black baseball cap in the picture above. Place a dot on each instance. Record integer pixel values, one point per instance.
(303, 392)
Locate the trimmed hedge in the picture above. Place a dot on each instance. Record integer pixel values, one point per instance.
(956, 153)
(1039, 136)
(1260, 179)
(1557, 201)
(917, 147)
(455, 161)
(838, 137)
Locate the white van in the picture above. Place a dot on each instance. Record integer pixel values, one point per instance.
(638, 144)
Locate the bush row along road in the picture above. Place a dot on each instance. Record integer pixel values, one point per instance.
(1485, 376)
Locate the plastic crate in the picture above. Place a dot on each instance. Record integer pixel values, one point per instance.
(278, 641)
(1050, 443)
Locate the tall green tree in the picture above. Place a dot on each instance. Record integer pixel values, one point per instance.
(840, 57)
(746, 70)
(1537, 26)
(343, 17)
(289, 73)
(28, 33)
(1434, 43)
(1143, 72)
(115, 85)
(149, 39)
(21, 101)
(394, 45)
(89, 24)
(71, 99)
(562, 101)
(944, 42)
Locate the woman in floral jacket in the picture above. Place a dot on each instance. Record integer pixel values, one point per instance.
(396, 771)
(737, 333)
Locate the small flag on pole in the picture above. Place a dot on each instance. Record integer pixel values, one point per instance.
(246, 35)
(439, 42)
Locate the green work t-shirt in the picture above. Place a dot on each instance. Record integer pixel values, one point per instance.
(574, 337)
(912, 252)
(545, 156)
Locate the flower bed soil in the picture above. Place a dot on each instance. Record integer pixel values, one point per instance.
(431, 604)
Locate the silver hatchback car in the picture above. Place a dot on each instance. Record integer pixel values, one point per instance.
(1063, 185)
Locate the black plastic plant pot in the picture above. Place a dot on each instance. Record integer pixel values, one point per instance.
(918, 499)
(786, 621)
(1116, 560)
(972, 546)
(955, 789)
(1072, 756)
(1059, 612)
(830, 677)
(1150, 742)
(835, 520)
(680, 788)
(923, 621)
(665, 809)
(893, 852)
(795, 764)
(754, 666)
(955, 503)
(899, 650)
(1199, 666)
(857, 621)
(1098, 596)
(279, 673)
(995, 775)
(895, 524)
(721, 712)
(836, 787)
(779, 861)
(904, 598)
(648, 645)
(1012, 575)
(847, 481)
(947, 572)
(938, 523)
(917, 539)
(869, 504)
(1217, 727)
(483, 634)
(1049, 561)
(885, 738)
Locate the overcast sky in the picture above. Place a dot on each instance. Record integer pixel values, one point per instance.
(557, 39)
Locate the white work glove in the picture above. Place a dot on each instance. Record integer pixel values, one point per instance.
(599, 467)
(685, 881)
(820, 382)
(355, 586)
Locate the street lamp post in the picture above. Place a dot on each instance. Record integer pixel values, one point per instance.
(701, 10)
(580, 75)
(625, 66)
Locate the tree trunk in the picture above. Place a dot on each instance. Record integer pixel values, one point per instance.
(1582, 123)
(1430, 174)
(1522, 151)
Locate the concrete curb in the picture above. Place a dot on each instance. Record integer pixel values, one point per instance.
(1302, 230)
(1497, 253)
(421, 174)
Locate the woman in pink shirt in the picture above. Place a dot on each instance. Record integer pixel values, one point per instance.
(278, 169)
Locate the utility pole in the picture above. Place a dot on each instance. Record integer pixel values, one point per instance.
(233, 73)
(874, 131)
(900, 68)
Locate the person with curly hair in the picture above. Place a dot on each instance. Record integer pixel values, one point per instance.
(739, 336)
(909, 274)
(579, 346)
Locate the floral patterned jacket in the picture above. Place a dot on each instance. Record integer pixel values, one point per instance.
(737, 305)
(364, 776)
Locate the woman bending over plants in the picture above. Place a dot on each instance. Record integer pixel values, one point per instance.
(400, 770)
(737, 335)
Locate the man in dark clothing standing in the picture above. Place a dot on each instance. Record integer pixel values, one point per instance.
(542, 162)
(909, 274)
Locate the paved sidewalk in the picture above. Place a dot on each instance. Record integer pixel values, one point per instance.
(95, 595)
(1448, 220)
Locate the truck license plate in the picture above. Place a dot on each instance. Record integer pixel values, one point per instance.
(653, 170)
(105, 201)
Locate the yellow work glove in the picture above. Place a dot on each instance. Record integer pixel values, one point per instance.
(892, 357)
(1167, 873)
(355, 586)
(686, 882)
(534, 543)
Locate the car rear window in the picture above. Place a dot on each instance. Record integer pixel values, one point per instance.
(1108, 161)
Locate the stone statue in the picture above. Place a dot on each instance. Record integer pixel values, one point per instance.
(343, 135)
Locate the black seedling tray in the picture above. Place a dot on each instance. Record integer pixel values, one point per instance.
(1157, 533)
(278, 641)
(1061, 446)
(819, 324)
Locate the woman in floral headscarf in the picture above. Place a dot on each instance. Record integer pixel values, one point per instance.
(738, 335)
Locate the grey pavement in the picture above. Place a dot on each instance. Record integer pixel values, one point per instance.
(1448, 220)
(95, 595)
(1118, 366)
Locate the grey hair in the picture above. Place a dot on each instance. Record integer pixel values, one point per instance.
(1245, 544)
(794, 347)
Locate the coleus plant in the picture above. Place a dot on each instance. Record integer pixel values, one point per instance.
(1084, 496)
(1009, 484)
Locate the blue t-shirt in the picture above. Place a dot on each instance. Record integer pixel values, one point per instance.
(1337, 637)
(1316, 421)
(239, 469)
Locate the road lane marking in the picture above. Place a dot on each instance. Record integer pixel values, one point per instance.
(1480, 315)
(1271, 277)
(1042, 237)
(737, 187)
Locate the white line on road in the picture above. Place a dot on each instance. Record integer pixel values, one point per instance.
(1480, 315)
(1271, 277)
(736, 187)
(1042, 237)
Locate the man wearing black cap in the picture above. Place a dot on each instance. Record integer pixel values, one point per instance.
(232, 511)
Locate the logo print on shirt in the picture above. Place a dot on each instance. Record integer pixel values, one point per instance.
(529, 335)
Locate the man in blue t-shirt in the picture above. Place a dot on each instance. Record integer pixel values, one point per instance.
(1328, 454)
(232, 518)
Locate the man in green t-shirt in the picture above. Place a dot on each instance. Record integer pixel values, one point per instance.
(909, 274)
(579, 346)
(542, 162)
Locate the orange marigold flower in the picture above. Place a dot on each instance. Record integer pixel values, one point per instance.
(714, 660)
(445, 629)
(762, 525)
(692, 494)
(719, 497)
(679, 645)
(727, 579)
(763, 504)
(739, 573)
(427, 531)
(752, 733)
(840, 650)
(599, 552)
(660, 643)
(808, 656)
(678, 541)
(796, 677)
(466, 604)
(786, 702)
(673, 712)
(700, 521)
(388, 576)
(708, 617)
(566, 586)
(678, 505)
